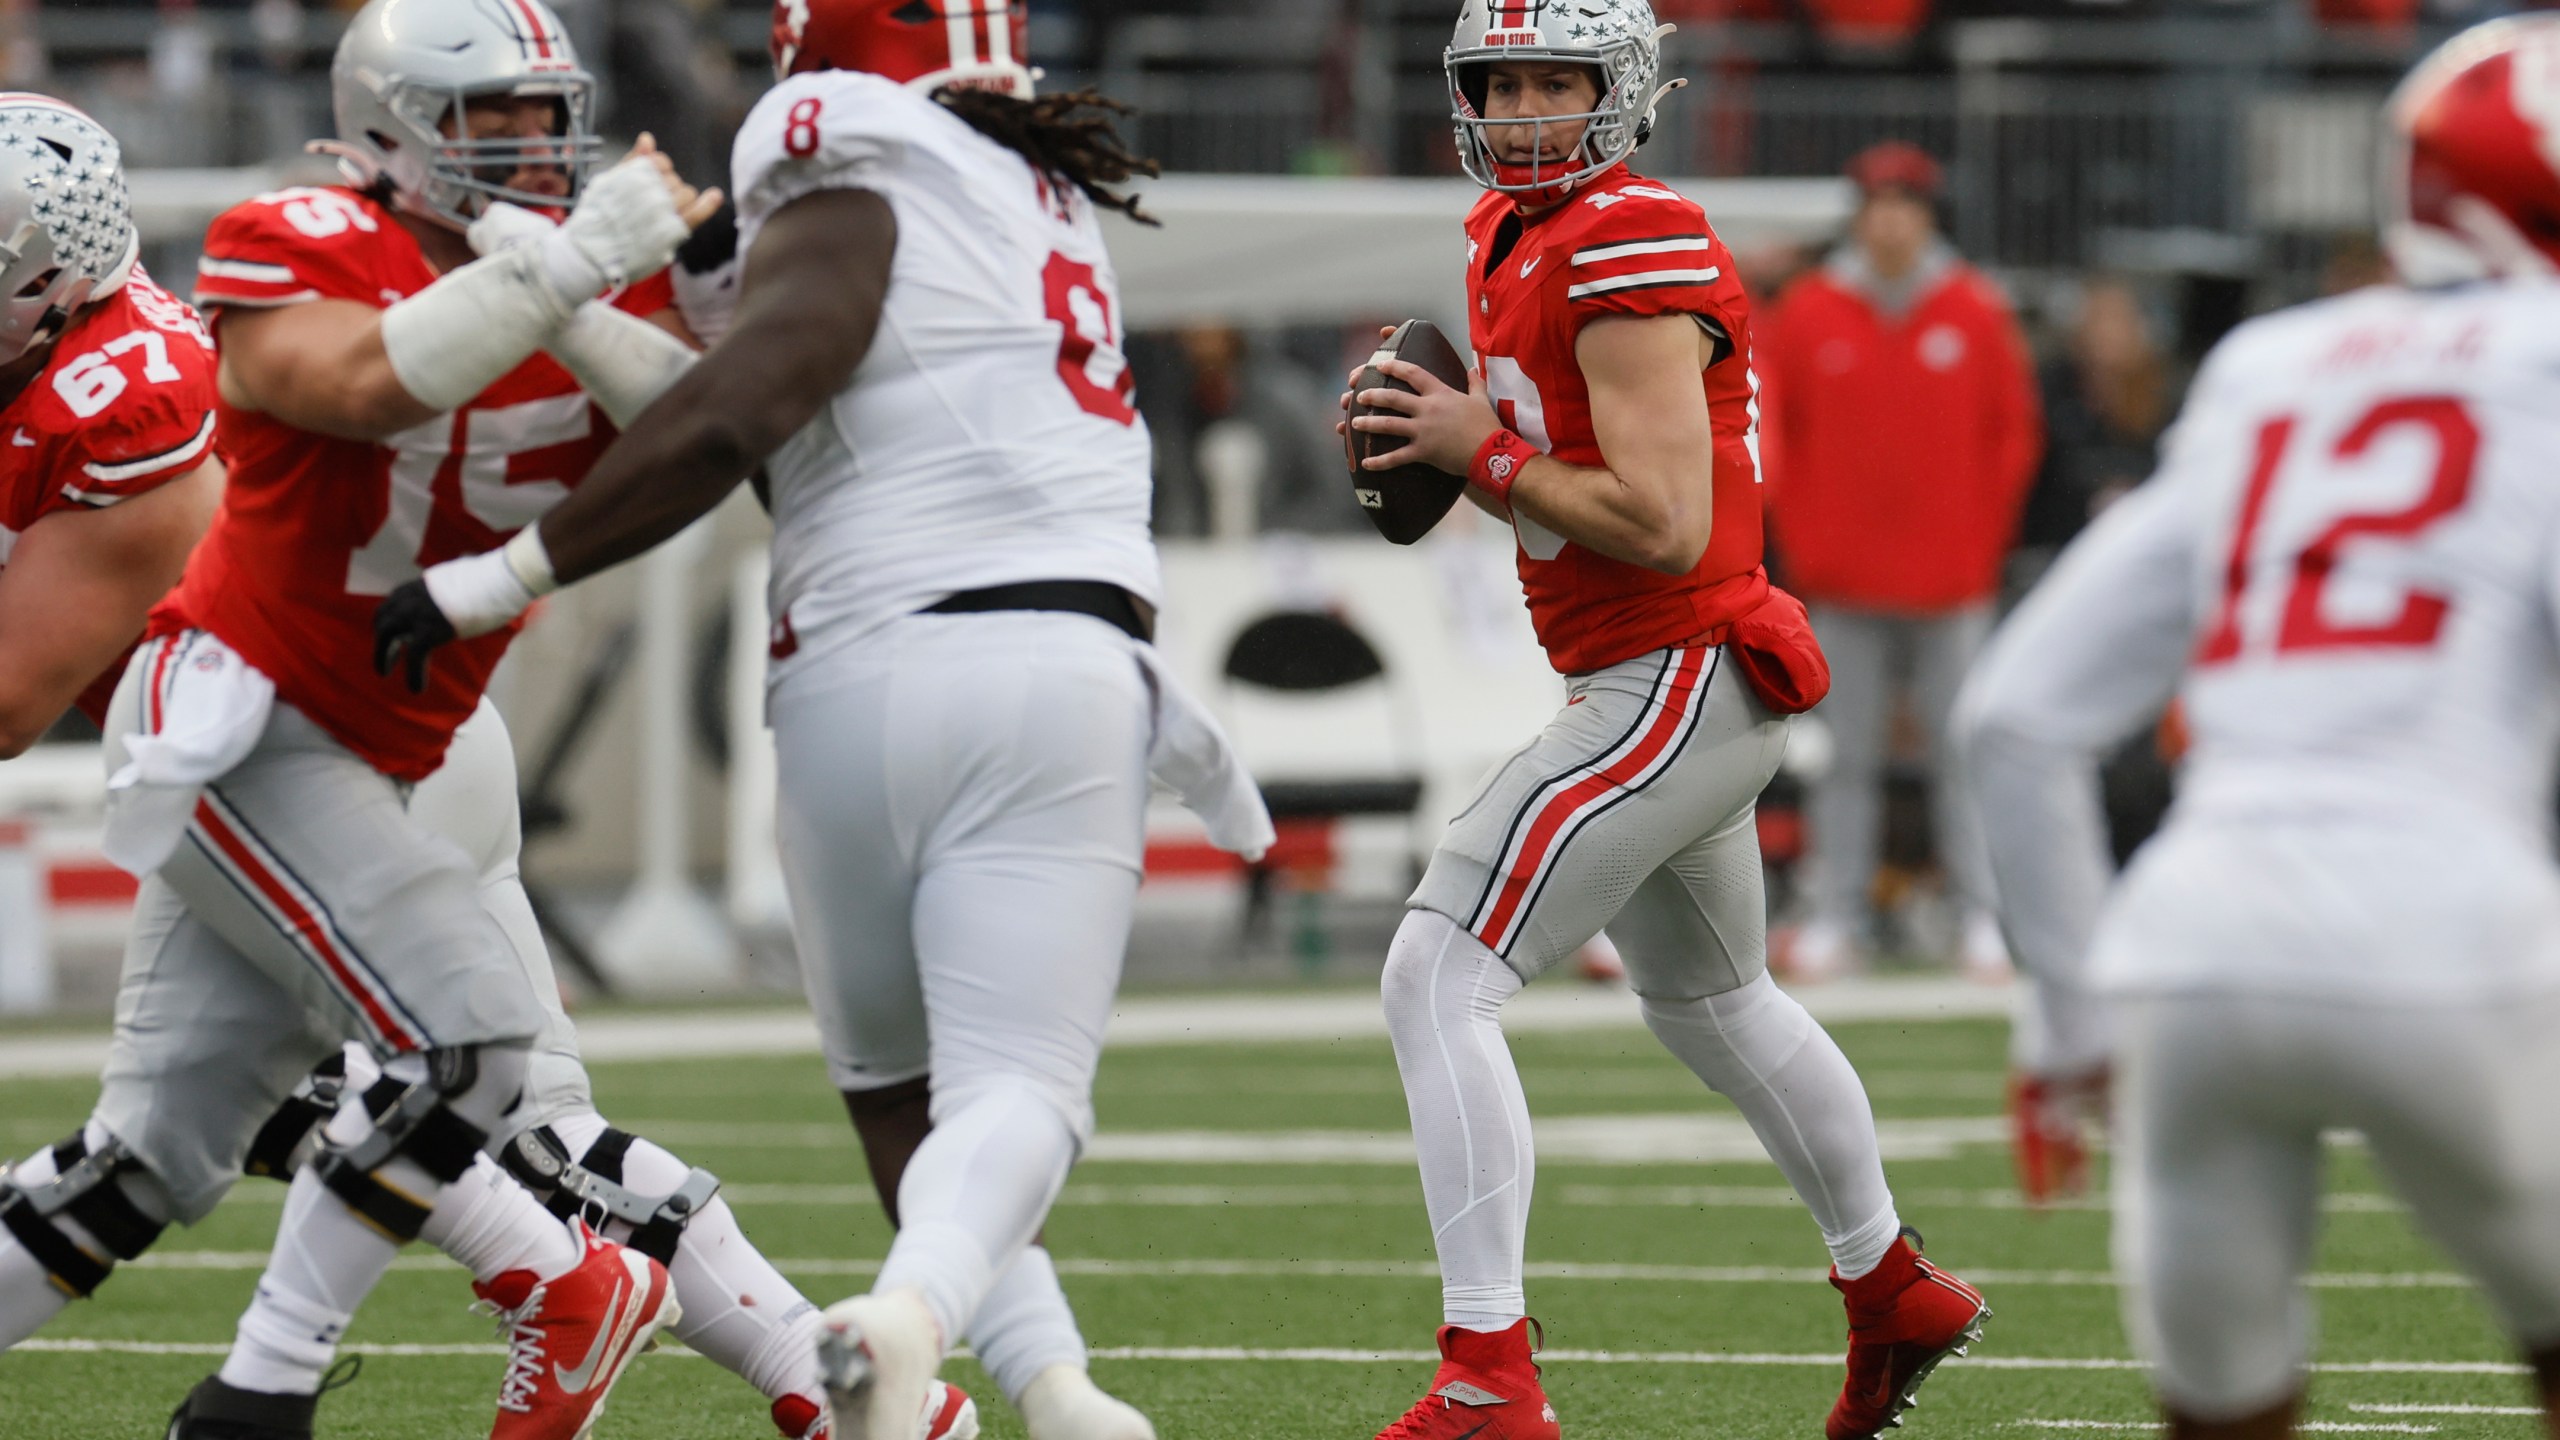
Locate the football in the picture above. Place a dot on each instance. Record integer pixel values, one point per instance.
(1404, 503)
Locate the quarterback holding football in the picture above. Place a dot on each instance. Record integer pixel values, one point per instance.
(1612, 422)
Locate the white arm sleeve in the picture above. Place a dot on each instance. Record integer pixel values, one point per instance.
(455, 338)
(2092, 654)
(623, 362)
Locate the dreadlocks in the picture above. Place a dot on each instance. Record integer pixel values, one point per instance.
(1071, 138)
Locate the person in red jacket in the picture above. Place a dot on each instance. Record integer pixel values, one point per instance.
(1902, 432)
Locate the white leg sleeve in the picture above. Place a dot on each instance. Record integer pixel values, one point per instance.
(490, 1225)
(1758, 1048)
(738, 1310)
(975, 1194)
(1024, 1326)
(1443, 992)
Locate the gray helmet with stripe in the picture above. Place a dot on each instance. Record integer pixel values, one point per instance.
(66, 225)
(406, 68)
(1617, 38)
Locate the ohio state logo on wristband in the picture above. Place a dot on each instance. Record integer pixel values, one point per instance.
(1498, 464)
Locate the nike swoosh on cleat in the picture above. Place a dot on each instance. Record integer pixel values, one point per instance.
(610, 1335)
(1470, 1435)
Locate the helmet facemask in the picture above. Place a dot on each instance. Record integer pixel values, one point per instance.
(1625, 59)
(455, 177)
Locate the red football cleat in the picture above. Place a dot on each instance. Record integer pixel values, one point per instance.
(568, 1338)
(1905, 1316)
(949, 1414)
(1486, 1389)
(2049, 1125)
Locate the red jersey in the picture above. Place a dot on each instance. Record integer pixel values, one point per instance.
(125, 405)
(314, 530)
(1623, 245)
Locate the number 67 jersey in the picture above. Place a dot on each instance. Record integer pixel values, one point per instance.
(2348, 571)
(989, 435)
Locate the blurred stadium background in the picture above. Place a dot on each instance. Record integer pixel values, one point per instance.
(2139, 174)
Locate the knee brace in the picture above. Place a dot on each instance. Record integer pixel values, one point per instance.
(82, 1190)
(435, 1117)
(590, 1187)
(287, 1141)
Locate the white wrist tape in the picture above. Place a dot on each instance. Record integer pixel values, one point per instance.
(478, 593)
(455, 338)
(527, 557)
(623, 362)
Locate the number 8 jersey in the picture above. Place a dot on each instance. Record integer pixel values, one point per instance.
(989, 435)
(315, 529)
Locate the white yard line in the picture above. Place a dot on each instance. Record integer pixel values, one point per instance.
(2310, 1427)
(1181, 1269)
(2305, 1428)
(1147, 1021)
(2434, 1409)
(1221, 1354)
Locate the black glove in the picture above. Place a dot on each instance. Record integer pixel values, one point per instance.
(408, 624)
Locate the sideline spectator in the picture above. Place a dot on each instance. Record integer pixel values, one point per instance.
(1903, 430)
(2106, 399)
(1220, 385)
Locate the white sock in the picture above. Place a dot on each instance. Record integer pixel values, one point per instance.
(1024, 1325)
(1443, 992)
(738, 1310)
(1757, 1047)
(974, 1195)
(490, 1225)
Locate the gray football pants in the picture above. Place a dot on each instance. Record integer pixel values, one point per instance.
(307, 906)
(1634, 809)
(1870, 653)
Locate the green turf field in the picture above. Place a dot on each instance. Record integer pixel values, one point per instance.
(1231, 1296)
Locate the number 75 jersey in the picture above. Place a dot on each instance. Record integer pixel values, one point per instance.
(990, 434)
(315, 529)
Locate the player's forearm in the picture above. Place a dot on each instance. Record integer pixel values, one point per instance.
(1600, 510)
(342, 387)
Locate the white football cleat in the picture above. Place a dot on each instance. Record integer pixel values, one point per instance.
(878, 1354)
(1820, 950)
(949, 1414)
(1063, 1403)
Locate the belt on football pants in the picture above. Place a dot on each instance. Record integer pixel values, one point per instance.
(1100, 599)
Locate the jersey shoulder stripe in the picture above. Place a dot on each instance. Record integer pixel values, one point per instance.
(130, 470)
(1697, 244)
(1645, 280)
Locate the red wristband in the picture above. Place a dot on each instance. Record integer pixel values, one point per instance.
(1498, 463)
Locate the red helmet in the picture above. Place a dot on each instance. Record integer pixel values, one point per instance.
(926, 44)
(2471, 163)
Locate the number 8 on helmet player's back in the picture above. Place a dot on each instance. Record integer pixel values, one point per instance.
(1611, 420)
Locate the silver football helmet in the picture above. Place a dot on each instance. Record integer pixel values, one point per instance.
(1618, 38)
(406, 68)
(66, 224)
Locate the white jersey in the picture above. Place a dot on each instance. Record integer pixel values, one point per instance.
(2348, 570)
(989, 436)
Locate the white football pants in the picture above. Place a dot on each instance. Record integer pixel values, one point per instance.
(2220, 1103)
(961, 821)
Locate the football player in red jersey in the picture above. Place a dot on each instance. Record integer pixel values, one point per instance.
(107, 394)
(1613, 425)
